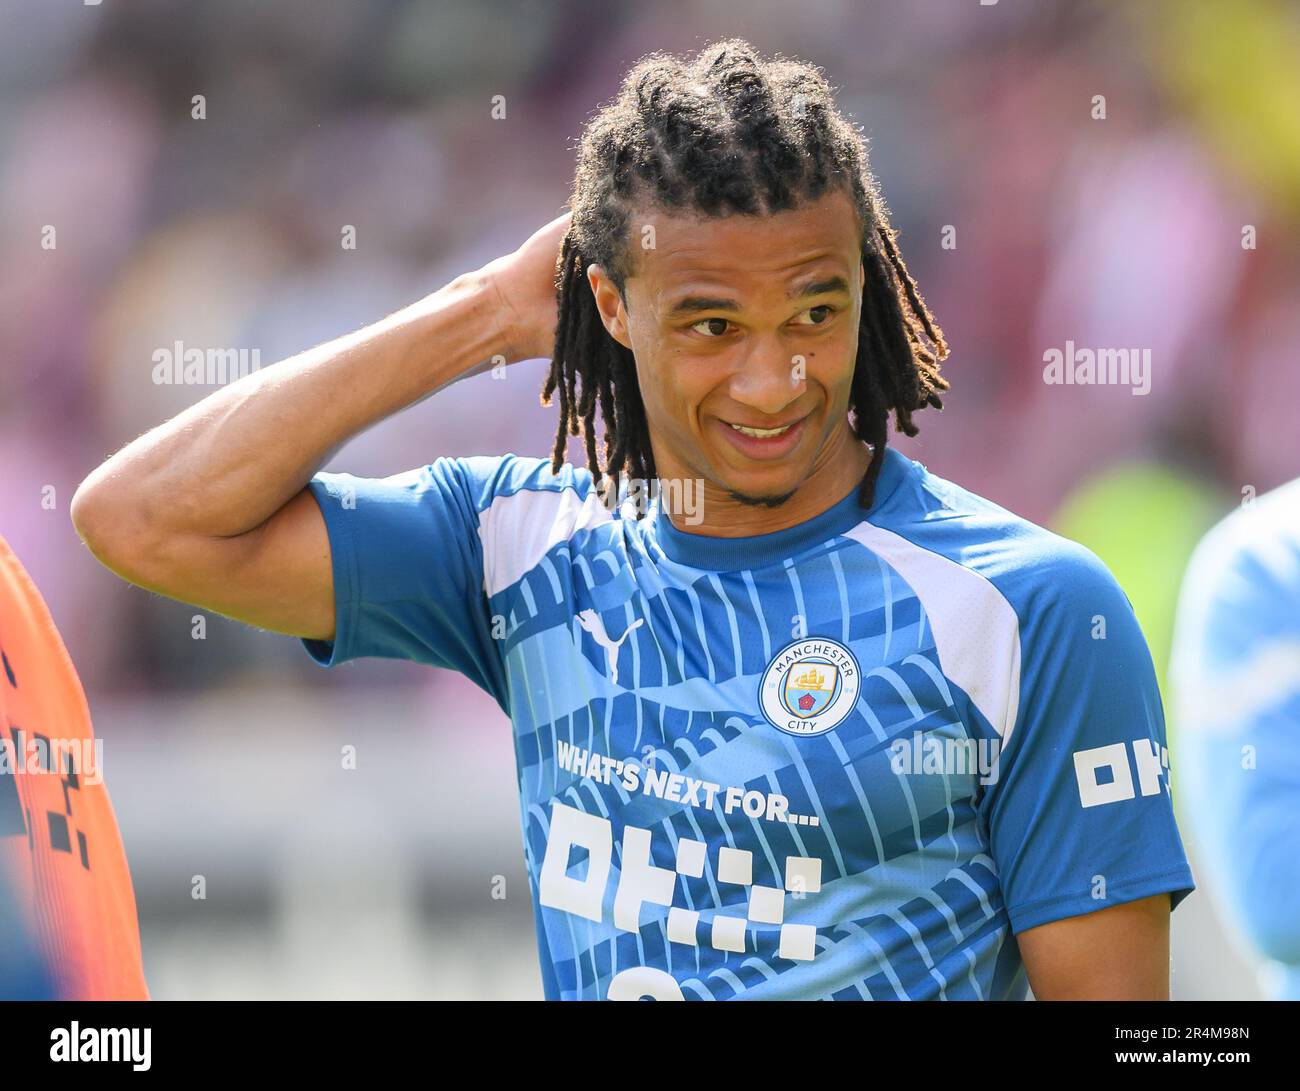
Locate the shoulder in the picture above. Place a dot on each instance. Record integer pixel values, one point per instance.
(489, 479)
(1030, 567)
(515, 486)
(1240, 595)
(507, 486)
(1252, 553)
(525, 509)
(1002, 596)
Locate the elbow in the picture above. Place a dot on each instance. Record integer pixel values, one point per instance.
(87, 512)
(104, 522)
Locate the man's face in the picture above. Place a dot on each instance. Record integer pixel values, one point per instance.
(747, 320)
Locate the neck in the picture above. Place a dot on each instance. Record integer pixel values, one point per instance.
(839, 467)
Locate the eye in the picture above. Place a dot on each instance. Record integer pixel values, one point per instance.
(828, 310)
(717, 326)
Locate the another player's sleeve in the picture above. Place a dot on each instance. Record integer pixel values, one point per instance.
(1236, 674)
(408, 568)
(1080, 816)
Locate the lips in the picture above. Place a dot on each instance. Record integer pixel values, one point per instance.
(762, 431)
(773, 444)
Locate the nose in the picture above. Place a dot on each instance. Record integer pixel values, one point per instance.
(769, 379)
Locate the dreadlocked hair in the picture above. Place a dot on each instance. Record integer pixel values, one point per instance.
(727, 133)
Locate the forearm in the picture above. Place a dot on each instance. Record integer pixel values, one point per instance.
(229, 462)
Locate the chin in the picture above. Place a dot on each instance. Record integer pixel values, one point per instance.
(764, 501)
(764, 490)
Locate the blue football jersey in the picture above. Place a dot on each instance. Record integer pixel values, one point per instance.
(1235, 671)
(850, 759)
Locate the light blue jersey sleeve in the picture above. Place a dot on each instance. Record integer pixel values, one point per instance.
(1236, 674)
(1080, 816)
(408, 568)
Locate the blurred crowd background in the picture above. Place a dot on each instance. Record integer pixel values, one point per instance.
(223, 754)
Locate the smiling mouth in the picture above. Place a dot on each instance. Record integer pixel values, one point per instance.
(764, 444)
(764, 433)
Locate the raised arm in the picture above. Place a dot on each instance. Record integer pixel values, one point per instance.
(212, 508)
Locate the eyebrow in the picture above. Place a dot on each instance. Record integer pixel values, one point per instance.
(696, 303)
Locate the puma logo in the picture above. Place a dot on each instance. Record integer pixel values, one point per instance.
(590, 620)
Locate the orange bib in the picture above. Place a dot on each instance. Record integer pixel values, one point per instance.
(61, 855)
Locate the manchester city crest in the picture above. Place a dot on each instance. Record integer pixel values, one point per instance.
(810, 686)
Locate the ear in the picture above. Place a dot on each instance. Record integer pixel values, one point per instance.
(609, 303)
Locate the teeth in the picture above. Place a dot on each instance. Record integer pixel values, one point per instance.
(762, 433)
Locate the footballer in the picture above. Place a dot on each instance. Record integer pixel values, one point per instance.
(743, 707)
(1235, 674)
